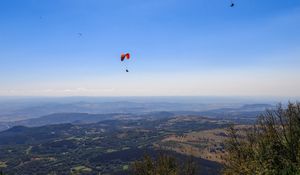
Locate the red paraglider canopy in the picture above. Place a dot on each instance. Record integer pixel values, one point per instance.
(123, 56)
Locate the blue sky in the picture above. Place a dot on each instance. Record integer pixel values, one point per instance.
(178, 47)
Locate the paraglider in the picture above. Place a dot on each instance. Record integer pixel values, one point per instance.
(232, 4)
(125, 56)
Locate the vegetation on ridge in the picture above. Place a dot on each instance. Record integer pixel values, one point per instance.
(271, 147)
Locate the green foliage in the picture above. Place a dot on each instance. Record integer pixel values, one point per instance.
(271, 147)
(163, 165)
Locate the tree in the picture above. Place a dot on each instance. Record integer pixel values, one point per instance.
(189, 167)
(163, 165)
(144, 167)
(270, 147)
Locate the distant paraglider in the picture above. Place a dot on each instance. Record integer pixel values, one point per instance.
(125, 56)
(232, 4)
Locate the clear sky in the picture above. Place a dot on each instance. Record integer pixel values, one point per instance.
(178, 47)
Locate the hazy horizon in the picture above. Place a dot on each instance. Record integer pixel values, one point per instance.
(167, 99)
